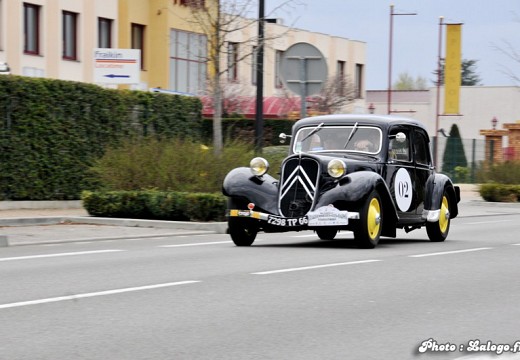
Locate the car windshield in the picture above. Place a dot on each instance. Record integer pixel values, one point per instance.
(365, 139)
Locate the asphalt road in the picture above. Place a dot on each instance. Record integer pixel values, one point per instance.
(289, 296)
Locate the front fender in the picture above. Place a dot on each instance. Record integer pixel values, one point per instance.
(435, 186)
(352, 188)
(355, 187)
(263, 192)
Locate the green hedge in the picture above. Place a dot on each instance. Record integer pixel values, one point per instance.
(52, 130)
(159, 205)
(500, 192)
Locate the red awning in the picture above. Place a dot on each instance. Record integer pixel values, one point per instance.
(273, 106)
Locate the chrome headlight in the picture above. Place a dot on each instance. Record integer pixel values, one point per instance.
(259, 166)
(337, 168)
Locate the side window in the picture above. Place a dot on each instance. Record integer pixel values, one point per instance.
(399, 150)
(421, 153)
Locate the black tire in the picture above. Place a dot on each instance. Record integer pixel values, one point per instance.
(368, 229)
(242, 230)
(438, 231)
(326, 233)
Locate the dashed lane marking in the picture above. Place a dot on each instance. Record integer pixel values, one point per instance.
(94, 294)
(29, 257)
(449, 252)
(313, 267)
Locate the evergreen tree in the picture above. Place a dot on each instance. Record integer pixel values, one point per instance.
(454, 155)
(468, 73)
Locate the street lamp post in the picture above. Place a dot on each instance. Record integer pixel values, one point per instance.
(494, 122)
(259, 117)
(438, 100)
(392, 14)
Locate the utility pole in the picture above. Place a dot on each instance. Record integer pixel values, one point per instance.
(259, 116)
(392, 14)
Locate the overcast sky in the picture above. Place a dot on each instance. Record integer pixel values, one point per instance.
(487, 24)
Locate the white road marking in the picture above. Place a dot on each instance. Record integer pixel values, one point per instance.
(58, 255)
(313, 267)
(450, 252)
(94, 294)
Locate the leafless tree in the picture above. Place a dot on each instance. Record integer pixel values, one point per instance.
(218, 20)
(336, 94)
(512, 53)
(508, 49)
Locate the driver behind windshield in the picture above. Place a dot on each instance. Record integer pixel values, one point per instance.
(367, 141)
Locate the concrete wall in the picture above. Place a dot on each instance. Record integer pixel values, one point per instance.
(478, 106)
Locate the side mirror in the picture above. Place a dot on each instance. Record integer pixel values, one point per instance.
(400, 137)
(283, 137)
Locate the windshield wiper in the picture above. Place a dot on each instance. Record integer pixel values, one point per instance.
(314, 131)
(354, 129)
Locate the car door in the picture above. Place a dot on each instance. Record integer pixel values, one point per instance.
(401, 175)
(423, 164)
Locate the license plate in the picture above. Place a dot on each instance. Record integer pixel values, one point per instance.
(327, 216)
(286, 222)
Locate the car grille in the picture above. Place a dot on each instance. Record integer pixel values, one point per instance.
(298, 186)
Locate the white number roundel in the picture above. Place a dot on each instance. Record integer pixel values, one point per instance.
(403, 189)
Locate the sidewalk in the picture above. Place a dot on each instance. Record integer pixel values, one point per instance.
(72, 224)
(469, 192)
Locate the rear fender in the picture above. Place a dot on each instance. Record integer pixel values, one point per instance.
(434, 191)
(262, 191)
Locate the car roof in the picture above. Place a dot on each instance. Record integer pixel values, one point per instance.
(383, 121)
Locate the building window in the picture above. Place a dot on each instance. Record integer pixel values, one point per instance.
(193, 3)
(277, 63)
(254, 65)
(70, 35)
(340, 69)
(138, 40)
(31, 29)
(359, 81)
(188, 57)
(232, 65)
(341, 78)
(104, 33)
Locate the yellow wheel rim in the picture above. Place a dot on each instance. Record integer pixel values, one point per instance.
(444, 216)
(374, 218)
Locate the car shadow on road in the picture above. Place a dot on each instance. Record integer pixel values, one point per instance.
(340, 243)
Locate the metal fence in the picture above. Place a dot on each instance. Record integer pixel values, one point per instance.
(474, 153)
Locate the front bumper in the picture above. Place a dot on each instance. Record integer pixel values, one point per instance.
(324, 216)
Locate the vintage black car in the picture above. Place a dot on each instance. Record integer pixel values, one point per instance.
(363, 173)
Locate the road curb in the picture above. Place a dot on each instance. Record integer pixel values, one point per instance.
(215, 227)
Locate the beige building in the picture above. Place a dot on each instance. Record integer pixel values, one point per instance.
(344, 57)
(57, 38)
